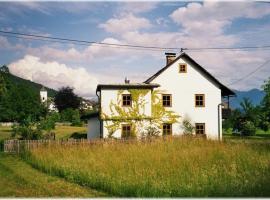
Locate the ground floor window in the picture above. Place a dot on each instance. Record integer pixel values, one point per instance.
(126, 130)
(200, 128)
(167, 129)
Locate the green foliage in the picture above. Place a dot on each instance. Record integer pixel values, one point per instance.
(27, 131)
(71, 115)
(248, 128)
(135, 114)
(66, 98)
(19, 103)
(187, 126)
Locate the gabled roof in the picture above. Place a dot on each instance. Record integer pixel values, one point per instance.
(225, 91)
(43, 89)
(127, 86)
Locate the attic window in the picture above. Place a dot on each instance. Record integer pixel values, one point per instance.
(167, 100)
(199, 100)
(182, 68)
(200, 128)
(126, 99)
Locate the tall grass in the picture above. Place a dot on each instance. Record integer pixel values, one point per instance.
(162, 168)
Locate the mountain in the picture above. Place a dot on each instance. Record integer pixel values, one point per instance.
(34, 87)
(255, 95)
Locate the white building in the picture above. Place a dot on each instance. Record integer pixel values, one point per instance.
(44, 99)
(181, 91)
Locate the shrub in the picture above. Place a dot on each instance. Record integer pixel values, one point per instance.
(150, 131)
(248, 128)
(71, 115)
(187, 127)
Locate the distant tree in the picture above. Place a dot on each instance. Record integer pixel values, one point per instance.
(266, 100)
(66, 98)
(20, 103)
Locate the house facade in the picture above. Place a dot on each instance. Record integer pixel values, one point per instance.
(180, 92)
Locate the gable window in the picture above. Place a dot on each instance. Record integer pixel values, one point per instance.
(167, 100)
(200, 128)
(166, 129)
(126, 130)
(182, 68)
(199, 100)
(126, 100)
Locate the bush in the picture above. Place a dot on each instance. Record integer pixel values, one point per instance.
(187, 127)
(150, 131)
(27, 131)
(70, 115)
(248, 128)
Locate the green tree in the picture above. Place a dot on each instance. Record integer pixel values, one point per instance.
(66, 98)
(266, 100)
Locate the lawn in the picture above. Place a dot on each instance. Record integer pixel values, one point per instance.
(162, 168)
(18, 179)
(61, 132)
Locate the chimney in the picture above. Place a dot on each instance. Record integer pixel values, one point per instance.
(127, 81)
(170, 57)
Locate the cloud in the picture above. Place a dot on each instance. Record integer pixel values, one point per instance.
(55, 75)
(137, 7)
(125, 23)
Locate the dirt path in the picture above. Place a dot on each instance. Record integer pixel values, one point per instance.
(18, 179)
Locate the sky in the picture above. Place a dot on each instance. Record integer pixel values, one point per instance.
(166, 24)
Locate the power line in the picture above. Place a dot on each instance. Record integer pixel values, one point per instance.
(81, 44)
(90, 42)
(248, 75)
(85, 42)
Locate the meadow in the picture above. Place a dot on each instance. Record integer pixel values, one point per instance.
(171, 167)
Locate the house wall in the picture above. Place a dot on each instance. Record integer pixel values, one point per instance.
(93, 128)
(183, 87)
(109, 96)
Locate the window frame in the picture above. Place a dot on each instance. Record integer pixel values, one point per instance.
(200, 124)
(170, 105)
(170, 131)
(203, 95)
(126, 100)
(182, 64)
(122, 130)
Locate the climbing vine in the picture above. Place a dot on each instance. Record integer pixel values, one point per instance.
(135, 114)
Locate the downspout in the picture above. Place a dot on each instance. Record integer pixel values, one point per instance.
(100, 123)
(219, 117)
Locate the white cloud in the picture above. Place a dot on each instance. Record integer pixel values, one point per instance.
(55, 75)
(125, 23)
(137, 7)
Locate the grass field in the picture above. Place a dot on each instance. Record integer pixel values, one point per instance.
(175, 167)
(18, 179)
(61, 132)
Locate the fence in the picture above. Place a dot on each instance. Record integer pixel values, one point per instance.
(17, 146)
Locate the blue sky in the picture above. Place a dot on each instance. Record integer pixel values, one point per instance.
(167, 24)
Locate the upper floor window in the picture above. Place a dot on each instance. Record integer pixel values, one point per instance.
(200, 128)
(167, 129)
(167, 100)
(126, 130)
(126, 99)
(199, 100)
(182, 68)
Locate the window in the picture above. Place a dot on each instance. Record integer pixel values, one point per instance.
(126, 130)
(199, 100)
(182, 68)
(200, 128)
(126, 99)
(167, 100)
(166, 129)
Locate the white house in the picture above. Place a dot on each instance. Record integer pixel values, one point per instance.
(45, 100)
(181, 91)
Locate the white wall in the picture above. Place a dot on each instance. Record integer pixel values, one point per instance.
(43, 96)
(108, 96)
(93, 128)
(183, 87)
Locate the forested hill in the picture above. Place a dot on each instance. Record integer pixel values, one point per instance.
(15, 80)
